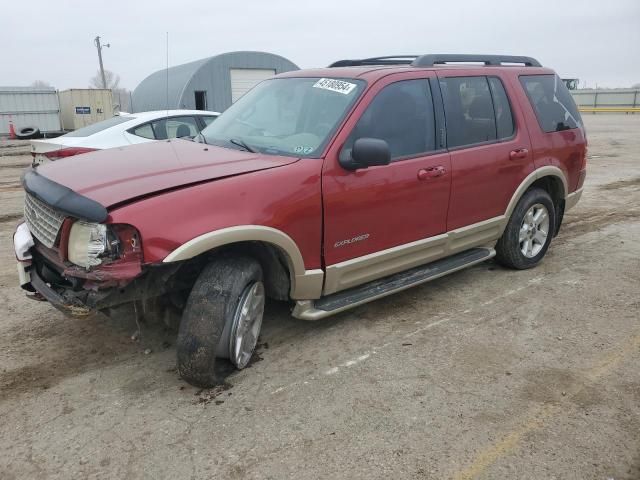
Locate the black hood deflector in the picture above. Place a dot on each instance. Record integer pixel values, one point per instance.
(63, 198)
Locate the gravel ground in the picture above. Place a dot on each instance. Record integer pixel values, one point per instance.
(487, 373)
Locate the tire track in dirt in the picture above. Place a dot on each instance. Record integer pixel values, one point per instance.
(593, 222)
(10, 217)
(629, 182)
(15, 164)
(10, 187)
(91, 349)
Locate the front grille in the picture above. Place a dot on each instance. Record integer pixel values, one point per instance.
(43, 221)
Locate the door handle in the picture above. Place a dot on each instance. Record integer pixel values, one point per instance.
(518, 153)
(431, 172)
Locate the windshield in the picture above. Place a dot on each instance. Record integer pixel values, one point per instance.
(285, 116)
(100, 126)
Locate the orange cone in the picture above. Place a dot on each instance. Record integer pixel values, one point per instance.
(12, 131)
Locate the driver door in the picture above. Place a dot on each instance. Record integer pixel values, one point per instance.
(385, 219)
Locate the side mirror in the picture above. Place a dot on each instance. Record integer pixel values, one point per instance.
(366, 152)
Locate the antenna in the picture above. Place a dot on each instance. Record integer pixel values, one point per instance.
(167, 74)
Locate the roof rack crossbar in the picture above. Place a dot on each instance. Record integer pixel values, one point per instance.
(387, 60)
(435, 59)
(438, 59)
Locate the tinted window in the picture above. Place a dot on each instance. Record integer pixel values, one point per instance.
(552, 102)
(175, 127)
(99, 126)
(468, 110)
(144, 131)
(402, 115)
(504, 117)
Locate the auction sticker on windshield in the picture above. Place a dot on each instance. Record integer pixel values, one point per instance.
(339, 86)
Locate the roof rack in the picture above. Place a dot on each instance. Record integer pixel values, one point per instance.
(434, 59)
(389, 60)
(439, 59)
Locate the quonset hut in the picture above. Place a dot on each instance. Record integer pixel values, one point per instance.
(212, 83)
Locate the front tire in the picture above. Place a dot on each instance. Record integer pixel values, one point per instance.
(222, 317)
(529, 231)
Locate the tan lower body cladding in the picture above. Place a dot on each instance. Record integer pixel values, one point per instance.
(376, 265)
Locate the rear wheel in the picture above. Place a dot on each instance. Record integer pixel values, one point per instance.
(222, 319)
(528, 234)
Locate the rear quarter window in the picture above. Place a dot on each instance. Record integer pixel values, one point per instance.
(144, 131)
(552, 102)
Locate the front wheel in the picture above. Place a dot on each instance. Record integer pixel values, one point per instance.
(529, 231)
(222, 319)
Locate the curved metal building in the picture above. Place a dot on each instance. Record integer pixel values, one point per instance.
(212, 83)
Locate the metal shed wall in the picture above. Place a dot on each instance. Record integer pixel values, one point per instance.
(98, 101)
(210, 74)
(29, 107)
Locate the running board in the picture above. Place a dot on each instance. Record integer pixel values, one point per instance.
(340, 301)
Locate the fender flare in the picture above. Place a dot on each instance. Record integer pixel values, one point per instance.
(306, 284)
(546, 171)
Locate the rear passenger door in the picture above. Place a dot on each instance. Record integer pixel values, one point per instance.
(489, 146)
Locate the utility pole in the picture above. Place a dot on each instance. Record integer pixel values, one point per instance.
(96, 42)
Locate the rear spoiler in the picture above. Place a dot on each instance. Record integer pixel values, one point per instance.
(63, 198)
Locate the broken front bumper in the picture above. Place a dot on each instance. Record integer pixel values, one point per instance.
(82, 303)
(67, 304)
(76, 296)
(70, 301)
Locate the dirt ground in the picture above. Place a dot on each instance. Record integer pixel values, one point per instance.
(488, 373)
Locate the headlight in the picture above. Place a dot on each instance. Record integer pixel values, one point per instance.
(89, 243)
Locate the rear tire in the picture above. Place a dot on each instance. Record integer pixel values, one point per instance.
(217, 297)
(531, 227)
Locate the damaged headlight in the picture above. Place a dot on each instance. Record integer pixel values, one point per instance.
(90, 243)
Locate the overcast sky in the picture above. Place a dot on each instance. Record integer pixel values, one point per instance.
(596, 41)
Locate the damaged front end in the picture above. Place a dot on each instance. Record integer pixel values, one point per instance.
(81, 297)
(79, 291)
(68, 256)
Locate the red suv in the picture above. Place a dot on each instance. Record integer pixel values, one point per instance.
(327, 188)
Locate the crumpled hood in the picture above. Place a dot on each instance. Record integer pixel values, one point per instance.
(119, 174)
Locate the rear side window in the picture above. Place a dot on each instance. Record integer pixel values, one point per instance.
(99, 126)
(552, 102)
(402, 115)
(175, 127)
(504, 118)
(468, 110)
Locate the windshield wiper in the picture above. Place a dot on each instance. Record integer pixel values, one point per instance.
(241, 143)
(200, 139)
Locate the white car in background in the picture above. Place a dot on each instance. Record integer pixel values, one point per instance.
(122, 130)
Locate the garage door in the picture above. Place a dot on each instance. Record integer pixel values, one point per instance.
(244, 79)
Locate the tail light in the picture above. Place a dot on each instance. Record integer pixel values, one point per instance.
(67, 152)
